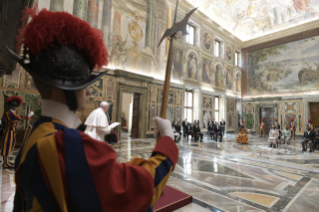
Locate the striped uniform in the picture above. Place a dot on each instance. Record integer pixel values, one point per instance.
(311, 126)
(9, 138)
(293, 129)
(62, 169)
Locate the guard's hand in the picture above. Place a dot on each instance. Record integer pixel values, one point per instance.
(162, 128)
(31, 114)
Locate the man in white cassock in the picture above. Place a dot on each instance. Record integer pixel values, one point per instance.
(97, 122)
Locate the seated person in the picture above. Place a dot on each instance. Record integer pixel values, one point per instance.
(218, 132)
(316, 140)
(273, 137)
(210, 130)
(242, 137)
(197, 133)
(189, 130)
(286, 135)
(309, 137)
(177, 132)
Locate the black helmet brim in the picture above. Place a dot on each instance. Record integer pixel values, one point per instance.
(67, 85)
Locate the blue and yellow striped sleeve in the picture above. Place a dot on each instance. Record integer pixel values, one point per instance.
(160, 165)
(14, 117)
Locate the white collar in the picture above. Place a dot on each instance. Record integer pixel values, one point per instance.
(61, 112)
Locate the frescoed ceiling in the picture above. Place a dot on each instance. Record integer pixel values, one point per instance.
(249, 19)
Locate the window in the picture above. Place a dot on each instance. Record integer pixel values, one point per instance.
(189, 106)
(216, 109)
(190, 38)
(237, 58)
(217, 48)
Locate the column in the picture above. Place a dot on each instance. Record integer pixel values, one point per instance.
(93, 12)
(106, 20)
(80, 9)
(149, 23)
(56, 5)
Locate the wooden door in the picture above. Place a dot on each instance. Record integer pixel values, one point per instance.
(314, 114)
(268, 115)
(136, 115)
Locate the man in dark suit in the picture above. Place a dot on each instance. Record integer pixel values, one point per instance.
(184, 124)
(210, 130)
(278, 125)
(177, 128)
(222, 125)
(218, 132)
(197, 133)
(309, 137)
(189, 130)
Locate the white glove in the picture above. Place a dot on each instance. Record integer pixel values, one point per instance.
(0, 122)
(31, 114)
(164, 127)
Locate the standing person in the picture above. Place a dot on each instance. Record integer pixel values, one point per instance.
(310, 125)
(184, 124)
(97, 124)
(309, 137)
(292, 128)
(262, 126)
(59, 168)
(9, 138)
(222, 125)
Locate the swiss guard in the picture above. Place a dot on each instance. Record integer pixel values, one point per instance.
(262, 126)
(310, 125)
(292, 128)
(9, 138)
(59, 168)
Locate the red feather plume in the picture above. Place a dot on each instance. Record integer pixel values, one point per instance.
(309, 120)
(14, 98)
(292, 120)
(47, 27)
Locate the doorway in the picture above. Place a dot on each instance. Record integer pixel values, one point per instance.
(268, 115)
(130, 115)
(314, 114)
(126, 115)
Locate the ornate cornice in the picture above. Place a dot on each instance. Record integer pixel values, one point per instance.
(132, 76)
(284, 33)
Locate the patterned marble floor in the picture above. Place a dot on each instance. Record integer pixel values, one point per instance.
(226, 176)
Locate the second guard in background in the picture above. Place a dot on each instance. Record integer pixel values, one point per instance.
(310, 125)
(262, 126)
(292, 128)
(9, 138)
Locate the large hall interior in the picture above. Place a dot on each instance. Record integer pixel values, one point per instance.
(243, 97)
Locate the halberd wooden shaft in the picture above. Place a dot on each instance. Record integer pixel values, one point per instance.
(167, 79)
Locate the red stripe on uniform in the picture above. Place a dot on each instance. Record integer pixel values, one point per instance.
(120, 186)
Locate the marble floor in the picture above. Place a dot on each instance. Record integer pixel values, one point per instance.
(226, 176)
